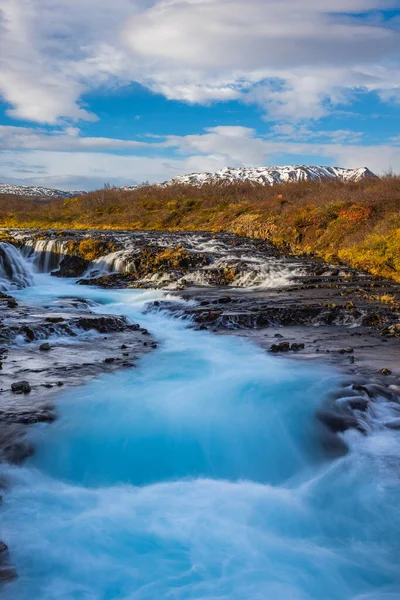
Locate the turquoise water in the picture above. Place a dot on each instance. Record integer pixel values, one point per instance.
(199, 474)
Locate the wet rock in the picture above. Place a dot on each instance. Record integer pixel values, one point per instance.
(71, 266)
(385, 371)
(7, 572)
(109, 360)
(346, 350)
(29, 333)
(103, 324)
(391, 330)
(21, 387)
(55, 319)
(224, 300)
(296, 347)
(281, 347)
(338, 422)
(45, 347)
(124, 347)
(30, 417)
(17, 451)
(393, 424)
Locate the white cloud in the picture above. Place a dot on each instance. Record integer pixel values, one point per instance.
(294, 57)
(69, 139)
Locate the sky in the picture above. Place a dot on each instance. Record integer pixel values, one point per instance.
(128, 91)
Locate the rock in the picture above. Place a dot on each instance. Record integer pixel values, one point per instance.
(21, 387)
(55, 319)
(45, 347)
(109, 360)
(393, 424)
(358, 403)
(338, 422)
(103, 324)
(224, 300)
(281, 347)
(28, 332)
(385, 371)
(35, 416)
(124, 347)
(7, 572)
(71, 266)
(346, 350)
(297, 347)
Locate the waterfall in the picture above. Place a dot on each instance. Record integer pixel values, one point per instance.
(111, 263)
(14, 271)
(45, 255)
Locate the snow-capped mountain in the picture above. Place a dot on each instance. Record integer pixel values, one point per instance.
(36, 192)
(273, 175)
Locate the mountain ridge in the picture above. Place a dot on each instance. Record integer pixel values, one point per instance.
(37, 191)
(257, 175)
(273, 175)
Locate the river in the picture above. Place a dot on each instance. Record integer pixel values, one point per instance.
(199, 475)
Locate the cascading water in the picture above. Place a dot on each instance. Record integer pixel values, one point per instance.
(47, 254)
(14, 271)
(111, 263)
(199, 475)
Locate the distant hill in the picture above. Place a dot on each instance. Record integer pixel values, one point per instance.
(273, 175)
(36, 191)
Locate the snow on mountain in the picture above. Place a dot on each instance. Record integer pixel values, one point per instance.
(36, 191)
(273, 175)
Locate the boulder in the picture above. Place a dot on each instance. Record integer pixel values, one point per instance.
(21, 387)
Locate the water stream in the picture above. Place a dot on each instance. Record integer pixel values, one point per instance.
(199, 475)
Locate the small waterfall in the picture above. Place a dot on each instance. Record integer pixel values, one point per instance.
(111, 263)
(45, 255)
(14, 271)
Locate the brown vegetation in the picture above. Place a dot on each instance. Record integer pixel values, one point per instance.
(356, 223)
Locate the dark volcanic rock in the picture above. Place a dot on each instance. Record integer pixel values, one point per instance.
(338, 422)
(7, 572)
(21, 387)
(71, 266)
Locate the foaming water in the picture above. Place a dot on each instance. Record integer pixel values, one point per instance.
(199, 475)
(15, 273)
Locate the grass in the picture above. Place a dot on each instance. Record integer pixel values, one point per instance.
(355, 223)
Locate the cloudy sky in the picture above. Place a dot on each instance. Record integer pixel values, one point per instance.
(126, 91)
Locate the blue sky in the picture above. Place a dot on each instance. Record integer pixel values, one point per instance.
(142, 90)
